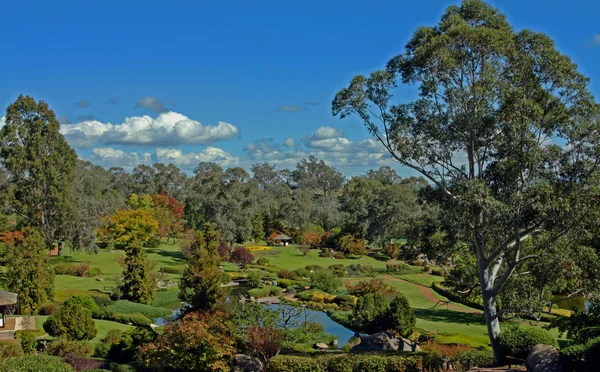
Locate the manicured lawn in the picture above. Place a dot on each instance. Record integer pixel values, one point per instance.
(423, 279)
(103, 326)
(290, 258)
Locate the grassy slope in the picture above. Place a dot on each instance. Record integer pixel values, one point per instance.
(103, 326)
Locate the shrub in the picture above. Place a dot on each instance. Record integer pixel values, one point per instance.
(339, 256)
(127, 349)
(354, 362)
(292, 363)
(517, 342)
(82, 268)
(323, 297)
(304, 250)
(241, 256)
(64, 269)
(128, 307)
(82, 300)
(285, 283)
(476, 358)
(364, 287)
(326, 253)
(588, 351)
(265, 291)
(83, 364)
(10, 350)
(345, 300)
(313, 268)
(72, 321)
(369, 313)
(262, 261)
(254, 279)
(326, 281)
(417, 263)
(94, 271)
(28, 343)
(400, 317)
(286, 274)
(427, 268)
(49, 309)
(152, 243)
(61, 346)
(171, 270)
(303, 273)
(438, 272)
(103, 347)
(36, 363)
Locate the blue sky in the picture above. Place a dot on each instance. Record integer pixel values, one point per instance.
(267, 70)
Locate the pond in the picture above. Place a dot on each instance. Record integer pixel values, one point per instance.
(342, 333)
(578, 303)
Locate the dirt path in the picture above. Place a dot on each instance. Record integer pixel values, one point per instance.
(428, 293)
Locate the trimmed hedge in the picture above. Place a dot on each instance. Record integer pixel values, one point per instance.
(128, 307)
(477, 358)
(407, 362)
(516, 341)
(35, 332)
(265, 291)
(10, 349)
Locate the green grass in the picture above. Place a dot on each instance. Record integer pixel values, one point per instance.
(290, 258)
(103, 326)
(426, 280)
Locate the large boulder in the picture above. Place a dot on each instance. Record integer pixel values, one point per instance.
(321, 346)
(246, 363)
(408, 345)
(543, 358)
(377, 342)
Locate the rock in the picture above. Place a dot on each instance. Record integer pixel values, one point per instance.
(408, 345)
(100, 279)
(543, 358)
(334, 343)
(246, 363)
(321, 345)
(377, 342)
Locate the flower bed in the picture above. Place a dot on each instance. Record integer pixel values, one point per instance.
(259, 248)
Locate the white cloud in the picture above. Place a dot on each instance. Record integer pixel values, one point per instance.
(110, 157)
(290, 143)
(2, 121)
(168, 129)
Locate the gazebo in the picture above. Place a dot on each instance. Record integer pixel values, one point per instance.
(8, 301)
(282, 239)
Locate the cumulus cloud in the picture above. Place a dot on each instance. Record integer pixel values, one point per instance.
(290, 143)
(114, 101)
(151, 104)
(110, 157)
(292, 108)
(168, 129)
(2, 121)
(327, 143)
(83, 104)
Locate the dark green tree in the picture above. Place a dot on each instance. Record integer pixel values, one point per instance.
(400, 317)
(28, 272)
(200, 285)
(41, 167)
(138, 280)
(505, 128)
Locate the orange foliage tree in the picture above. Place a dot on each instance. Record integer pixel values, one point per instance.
(197, 342)
(168, 211)
(264, 342)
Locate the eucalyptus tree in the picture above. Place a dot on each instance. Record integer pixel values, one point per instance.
(41, 167)
(505, 128)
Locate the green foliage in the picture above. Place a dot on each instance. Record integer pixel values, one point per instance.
(10, 349)
(354, 362)
(171, 270)
(62, 346)
(94, 271)
(303, 273)
(517, 341)
(254, 279)
(30, 363)
(287, 274)
(28, 273)
(400, 316)
(127, 349)
(369, 314)
(139, 280)
(265, 291)
(153, 242)
(476, 358)
(262, 261)
(581, 325)
(28, 342)
(34, 332)
(72, 321)
(41, 186)
(128, 307)
(64, 269)
(326, 281)
(103, 347)
(82, 300)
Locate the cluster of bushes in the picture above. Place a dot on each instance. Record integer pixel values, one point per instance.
(36, 363)
(171, 270)
(153, 242)
(438, 271)
(375, 312)
(473, 358)
(582, 356)
(82, 269)
(350, 363)
(399, 268)
(516, 341)
(122, 347)
(265, 291)
(262, 261)
(136, 319)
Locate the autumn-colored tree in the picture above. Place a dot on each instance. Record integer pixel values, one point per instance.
(200, 285)
(264, 341)
(198, 342)
(168, 211)
(352, 245)
(272, 236)
(11, 237)
(391, 250)
(241, 256)
(129, 228)
(28, 272)
(313, 238)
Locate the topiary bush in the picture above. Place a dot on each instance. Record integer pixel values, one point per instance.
(64, 269)
(62, 346)
(262, 261)
(35, 332)
(254, 279)
(303, 273)
(437, 272)
(84, 301)
(475, 358)
(72, 321)
(103, 347)
(287, 274)
(516, 341)
(30, 363)
(339, 256)
(265, 291)
(94, 271)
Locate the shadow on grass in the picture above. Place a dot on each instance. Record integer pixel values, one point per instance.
(176, 256)
(442, 315)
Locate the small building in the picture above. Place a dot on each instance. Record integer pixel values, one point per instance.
(282, 239)
(8, 302)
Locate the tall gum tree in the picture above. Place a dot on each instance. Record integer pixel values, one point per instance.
(504, 127)
(41, 166)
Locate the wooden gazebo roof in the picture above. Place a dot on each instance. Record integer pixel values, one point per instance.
(282, 237)
(7, 298)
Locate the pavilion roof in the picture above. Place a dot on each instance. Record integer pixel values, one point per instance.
(282, 237)
(7, 298)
